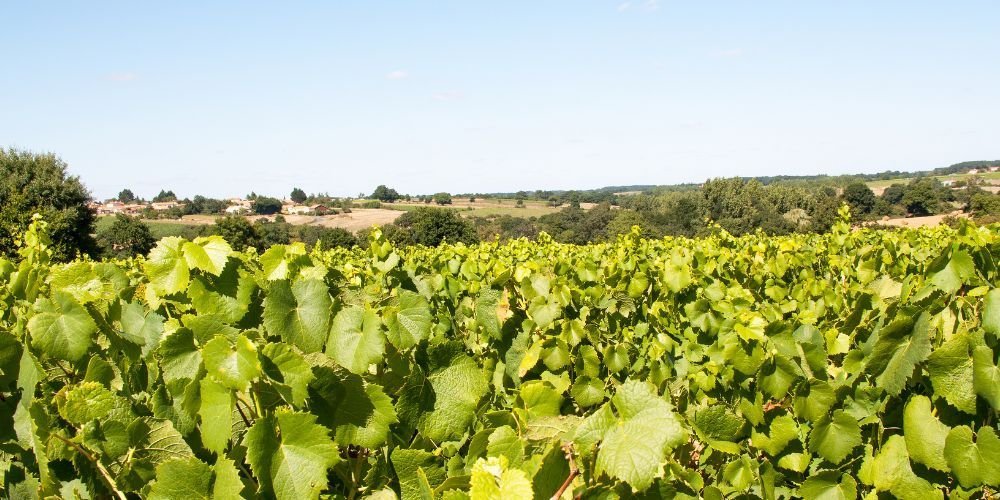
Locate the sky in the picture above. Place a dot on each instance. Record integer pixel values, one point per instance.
(225, 98)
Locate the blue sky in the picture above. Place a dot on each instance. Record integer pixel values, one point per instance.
(340, 96)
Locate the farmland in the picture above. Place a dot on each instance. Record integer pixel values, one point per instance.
(838, 365)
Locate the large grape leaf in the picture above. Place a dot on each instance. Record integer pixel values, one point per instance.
(299, 313)
(951, 372)
(289, 454)
(356, 339)
(409, 320)
(407, 463)
(493, 479)
(216, 413)
(233, 364)
(924, 433)
(952, 275)
(635, 448)
(991, 312)
(289, 371)
(167, 268)
(976, 461)
(62, 328)
(829, 485)
(208, 253)
(834, 437)
(892, 473)
(359, 413)
(900, 347)
(443, 403)
(986, 376)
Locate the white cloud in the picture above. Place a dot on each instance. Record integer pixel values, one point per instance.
(730, 53)
(399, 74)
(122, 77)
(448, 96)
(651, 5)
(622, 7)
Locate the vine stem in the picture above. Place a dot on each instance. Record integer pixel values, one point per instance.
(573, 472)
(97, 463)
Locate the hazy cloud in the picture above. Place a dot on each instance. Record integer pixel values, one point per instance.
(122, 77)
(399, 74)
(730, 53)
(448, 96)
(647, 5)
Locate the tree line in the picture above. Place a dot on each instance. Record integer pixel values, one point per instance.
(39, 183)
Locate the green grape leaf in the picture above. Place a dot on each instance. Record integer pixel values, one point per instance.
(167, 268)
(290, 454)
(835, 436)
(924, 433)
(216, 412)
(284, 365)
(235, 365)
(951, 371)
(187, 478)
(442, 404)
(635, 449)
(900, 347)
(409, 320)
(986, 376)
(976, 461)
(207, 253)
(299, 313)
(783, 430)
(407, 463)
(359, 413)
(356, 339)
(62, 328)
(829, 485)
(493, 479)
(991, 312)
(892, 473)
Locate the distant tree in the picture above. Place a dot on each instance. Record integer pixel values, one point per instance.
(272, 233)
(164, 196)
(207, 206)
(126, 196)
(327, 237)
(264, 205)
(383, 193)
(519, 204)
(860, 198)
(922, 196)
(442, 198)
(893, 194)
(38, 183)
(298, 195)
(432, 226)
(125, 237)
(237, 231)
(472, 199)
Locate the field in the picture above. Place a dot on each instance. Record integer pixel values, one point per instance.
(857, 363)
(989, 177)
(358, 219)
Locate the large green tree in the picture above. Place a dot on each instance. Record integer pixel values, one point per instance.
(164, 195)
(383, 193)
(126, 196)
(39, 183)
(432, 226)
(125, 237)
(298, 195)
(860, 198)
